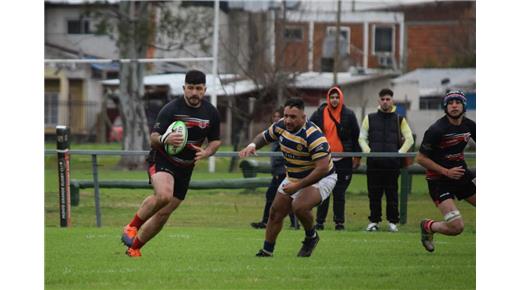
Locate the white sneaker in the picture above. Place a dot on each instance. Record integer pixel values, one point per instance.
(372, 227)
(392, 227)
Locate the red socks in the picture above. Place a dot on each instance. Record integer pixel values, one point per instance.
(136, 222)
(137, 244)
(428, 226)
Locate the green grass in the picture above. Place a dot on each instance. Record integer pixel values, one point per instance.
(223, 258)
(208, 243)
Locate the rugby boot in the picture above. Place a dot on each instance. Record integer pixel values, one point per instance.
(392, 227)
(426, 237)
(129, 234)
(308, 246)
(263, 253)
(373, 227)
(134, 253)
(258, 225)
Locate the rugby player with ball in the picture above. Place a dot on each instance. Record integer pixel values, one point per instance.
(176, 139)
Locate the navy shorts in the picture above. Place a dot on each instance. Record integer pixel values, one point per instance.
(441, 190)
(181, 175)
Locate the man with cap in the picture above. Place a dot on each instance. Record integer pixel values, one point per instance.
(448, 176)
(170, 174)
(340, 127)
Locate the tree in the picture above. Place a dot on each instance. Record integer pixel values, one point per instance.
(132, 24)
(133, 27)
(250, 55)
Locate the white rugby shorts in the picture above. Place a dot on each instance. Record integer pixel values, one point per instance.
(325, 186)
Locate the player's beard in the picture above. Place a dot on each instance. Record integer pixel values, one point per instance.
(194, 101)
(386, 108)
(293, 127)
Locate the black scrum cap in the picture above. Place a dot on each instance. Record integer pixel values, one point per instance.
(195, 77)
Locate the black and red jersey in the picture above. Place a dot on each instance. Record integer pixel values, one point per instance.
(444, 143)
(202, 122)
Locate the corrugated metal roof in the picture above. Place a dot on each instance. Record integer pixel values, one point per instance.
(176, 81)
(307, 80)
(324, 80)
(430, 80)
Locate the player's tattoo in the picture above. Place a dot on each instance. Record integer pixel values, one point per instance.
(259, 141)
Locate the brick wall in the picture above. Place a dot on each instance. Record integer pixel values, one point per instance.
(430, 46)
(293, 54)
(439, 33)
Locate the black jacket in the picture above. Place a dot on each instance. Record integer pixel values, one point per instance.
(383, 136)
(277, 163)
(348, 130)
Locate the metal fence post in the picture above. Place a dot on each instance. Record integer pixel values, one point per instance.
(62, 146)
(406, 185)
(96, 190)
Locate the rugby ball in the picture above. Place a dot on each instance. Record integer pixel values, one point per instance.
(178, 127)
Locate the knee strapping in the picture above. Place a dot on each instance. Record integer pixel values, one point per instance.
(452, 215)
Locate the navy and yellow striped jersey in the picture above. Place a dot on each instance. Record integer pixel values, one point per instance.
(300, 149)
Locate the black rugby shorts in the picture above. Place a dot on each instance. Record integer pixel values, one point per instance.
(441, 190)
(181, 175)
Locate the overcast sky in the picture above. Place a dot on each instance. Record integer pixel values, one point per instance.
(360, 5)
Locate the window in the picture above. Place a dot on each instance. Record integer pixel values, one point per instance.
(293, 34)
(327, 64)
(430, 103)
(344, 38)
(51, 108)
(383, 39)
(78, 26)
(328, 52)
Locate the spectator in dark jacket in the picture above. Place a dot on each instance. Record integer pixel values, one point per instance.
(278, 172)
(340, 127)
(382, 131)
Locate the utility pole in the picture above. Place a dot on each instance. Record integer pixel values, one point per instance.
(336, 47)
(279, 89)
(214, 71)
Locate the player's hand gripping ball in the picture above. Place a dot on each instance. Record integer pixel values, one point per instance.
(176, 127)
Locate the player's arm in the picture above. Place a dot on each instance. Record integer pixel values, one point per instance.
(320, 150)
(158, 141)
(354, 136)
(210, 149)
(213, 139)
(258, 142)
(429, 164)
(426, 162)
(159, 137)
(267, 136)
(431, 137)
(155, 140)
(474, 131)
(363, 136)
(406, 132)
(320, 171)
(213, 147)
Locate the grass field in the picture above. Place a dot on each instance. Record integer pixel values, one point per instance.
(208, 243)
